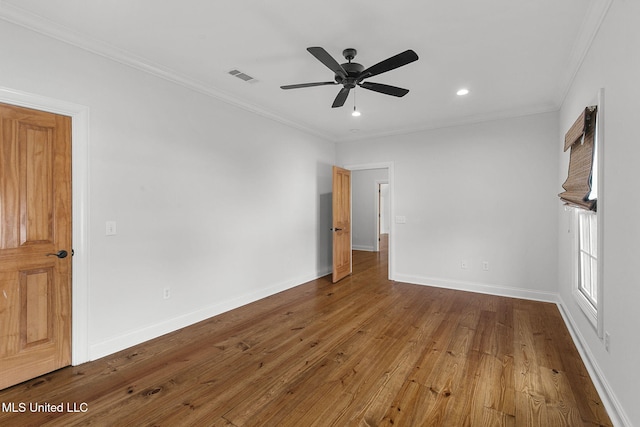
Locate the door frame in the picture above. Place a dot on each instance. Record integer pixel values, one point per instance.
(80, 208)
(390, 175)
(378, 211)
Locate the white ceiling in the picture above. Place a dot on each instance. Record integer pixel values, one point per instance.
(516, 56)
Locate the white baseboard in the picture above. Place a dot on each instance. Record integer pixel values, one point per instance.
(609, 399)
(611, 403)
(137, 336)
(482, 288)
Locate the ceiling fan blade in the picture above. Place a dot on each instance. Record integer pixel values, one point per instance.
(386, 89)
(389, 64)
(324, 57)
(301, 85)
(341, 98)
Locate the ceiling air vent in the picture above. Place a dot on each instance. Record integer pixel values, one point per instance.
(242, 76)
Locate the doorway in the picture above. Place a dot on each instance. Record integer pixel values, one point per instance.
(382, 213)
(80, 208)
(366, 215)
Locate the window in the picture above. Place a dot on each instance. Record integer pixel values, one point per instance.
(584, 197)
(587, 289)
(587, 252)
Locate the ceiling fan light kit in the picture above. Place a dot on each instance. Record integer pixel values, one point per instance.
(351, 74)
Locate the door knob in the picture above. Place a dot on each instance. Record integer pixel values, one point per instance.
(60, 254)
(336, 229)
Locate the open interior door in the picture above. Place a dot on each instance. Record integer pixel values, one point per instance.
(341, 223)
(35, 243)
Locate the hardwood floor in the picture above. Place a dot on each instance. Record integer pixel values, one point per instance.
(365, 351)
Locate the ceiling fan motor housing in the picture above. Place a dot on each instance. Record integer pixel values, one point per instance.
(353, 70)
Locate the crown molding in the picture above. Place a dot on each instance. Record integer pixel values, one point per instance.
(588, 30)
(461, 121)
(42, 25)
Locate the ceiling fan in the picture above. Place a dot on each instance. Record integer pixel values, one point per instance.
(352, 74)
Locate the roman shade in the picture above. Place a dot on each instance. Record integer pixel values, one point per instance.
(580, 138)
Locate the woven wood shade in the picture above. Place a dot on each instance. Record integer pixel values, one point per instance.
(580, 139)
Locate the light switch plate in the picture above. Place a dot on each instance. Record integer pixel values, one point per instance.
(401, 219)
(110, 229)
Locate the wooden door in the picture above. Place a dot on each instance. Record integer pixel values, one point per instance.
(35, 225)
(341, 223)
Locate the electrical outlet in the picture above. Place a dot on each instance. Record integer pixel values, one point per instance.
(167, 293)
(485, 265)
(607, 341)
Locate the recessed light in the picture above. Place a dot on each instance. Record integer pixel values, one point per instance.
(462, 92)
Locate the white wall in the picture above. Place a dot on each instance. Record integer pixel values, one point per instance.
(482, 192)
(221, 205)
(613, 63)
(364, 190)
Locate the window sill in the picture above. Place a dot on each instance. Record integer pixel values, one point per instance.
(590, 313)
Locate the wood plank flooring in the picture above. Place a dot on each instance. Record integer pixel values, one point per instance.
(363, 352)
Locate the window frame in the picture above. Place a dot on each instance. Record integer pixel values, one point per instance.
(588, 256)
(595, 314)
(588, 306)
